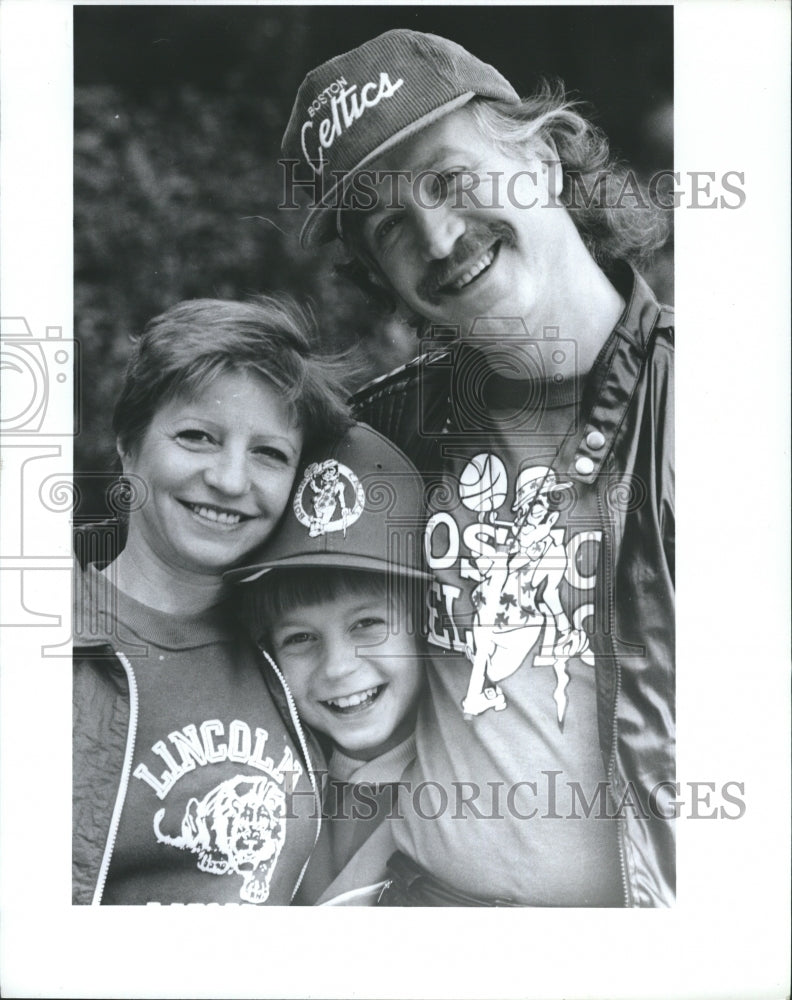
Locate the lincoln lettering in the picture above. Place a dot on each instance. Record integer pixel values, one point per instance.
(208, 744)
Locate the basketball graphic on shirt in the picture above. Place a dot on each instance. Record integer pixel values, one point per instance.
(483, 483)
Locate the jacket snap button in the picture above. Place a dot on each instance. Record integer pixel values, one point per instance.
(595, 440)
(584, 465)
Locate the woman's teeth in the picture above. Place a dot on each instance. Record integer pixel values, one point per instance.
(357, 700)
(211, 514)
(474, 271)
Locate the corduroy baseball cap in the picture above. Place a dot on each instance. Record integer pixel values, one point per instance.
(357, 504)
(360, 104)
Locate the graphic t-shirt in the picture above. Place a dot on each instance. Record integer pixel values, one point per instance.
(218, 807)
(507, 796)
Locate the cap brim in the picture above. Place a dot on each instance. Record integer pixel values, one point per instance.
(316, 560)
(321, 225)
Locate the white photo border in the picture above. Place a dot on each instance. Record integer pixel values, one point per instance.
(728, 934)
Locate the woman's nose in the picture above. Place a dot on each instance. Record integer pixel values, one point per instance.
(227, 472)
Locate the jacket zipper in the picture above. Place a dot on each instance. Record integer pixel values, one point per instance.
(304, 746)
(615, 731)
(125, 774)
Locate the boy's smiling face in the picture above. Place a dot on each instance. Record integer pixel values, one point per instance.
(354, 669)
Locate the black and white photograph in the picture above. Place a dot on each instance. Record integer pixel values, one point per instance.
(342, 441)
(500, 753)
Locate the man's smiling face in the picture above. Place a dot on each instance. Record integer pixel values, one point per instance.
(451, 256)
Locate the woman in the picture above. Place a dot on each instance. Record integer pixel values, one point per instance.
(192, 776)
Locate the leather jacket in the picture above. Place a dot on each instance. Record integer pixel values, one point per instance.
(620, 459)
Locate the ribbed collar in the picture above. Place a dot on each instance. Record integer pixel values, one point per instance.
(103, 614)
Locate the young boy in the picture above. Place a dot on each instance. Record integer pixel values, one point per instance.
(338, 607)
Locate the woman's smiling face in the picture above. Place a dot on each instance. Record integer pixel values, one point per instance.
(218, 469)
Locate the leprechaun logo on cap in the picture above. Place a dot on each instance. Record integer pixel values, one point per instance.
(330, 497)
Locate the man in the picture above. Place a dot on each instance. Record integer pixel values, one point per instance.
(545, 749)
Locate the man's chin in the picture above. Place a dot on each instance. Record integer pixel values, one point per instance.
(492, 299)
(462, 315)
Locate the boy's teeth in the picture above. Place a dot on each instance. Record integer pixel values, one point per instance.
(350, 700)
(468, 276)
(220, 516)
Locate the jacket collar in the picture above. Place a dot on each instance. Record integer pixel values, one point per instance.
(639, 319)
(613, 379)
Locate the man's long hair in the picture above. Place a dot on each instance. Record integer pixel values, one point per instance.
(609, 206)
(611, 209)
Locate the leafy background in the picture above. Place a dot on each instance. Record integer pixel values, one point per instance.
(178, 116)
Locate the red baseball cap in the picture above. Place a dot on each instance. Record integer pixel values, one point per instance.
(360, 104)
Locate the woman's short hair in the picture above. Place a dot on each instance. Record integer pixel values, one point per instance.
(184, 349)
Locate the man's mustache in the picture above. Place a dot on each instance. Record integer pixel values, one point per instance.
(470, 246)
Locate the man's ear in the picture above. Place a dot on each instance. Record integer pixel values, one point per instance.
(374, 272)
(554, 171)
(123, 456)
(555, 178)
(547, 155)
(376, 277)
